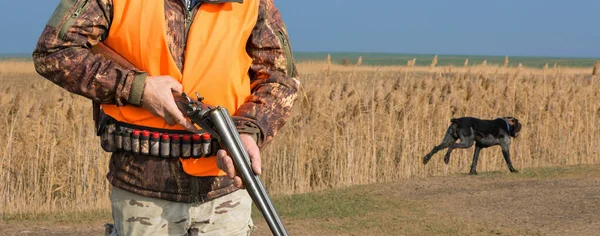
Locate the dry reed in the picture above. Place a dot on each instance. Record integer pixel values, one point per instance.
(434, 62)
(349, 126)
(412, 62)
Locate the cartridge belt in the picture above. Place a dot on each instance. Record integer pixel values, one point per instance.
(124, 137)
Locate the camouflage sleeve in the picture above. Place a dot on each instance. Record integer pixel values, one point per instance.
(63, 56)
(273, 74)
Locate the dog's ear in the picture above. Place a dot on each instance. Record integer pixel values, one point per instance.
(514, 123)
(517, 125)
(511, 120)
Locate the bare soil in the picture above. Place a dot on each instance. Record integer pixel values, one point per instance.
(548, 201)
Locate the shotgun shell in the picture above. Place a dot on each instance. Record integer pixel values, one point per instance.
(135, 141)
(126, 140)
(118, 140)
(164, 145)
(186, 146)
(175, 147)
(145, 142)
(206, 144)
(196, 146)
(155, 144)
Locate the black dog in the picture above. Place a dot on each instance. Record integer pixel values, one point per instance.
(484, 133)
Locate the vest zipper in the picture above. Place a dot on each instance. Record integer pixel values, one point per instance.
(71, 20)
(188, 25)
(194, 181)
(288, 53)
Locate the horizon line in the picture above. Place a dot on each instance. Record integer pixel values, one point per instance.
(450, 54)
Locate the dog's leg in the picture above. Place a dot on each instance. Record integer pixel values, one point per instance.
(449, 139)
(506, 154)
(475, 160)
(466, 141)
(462, 144)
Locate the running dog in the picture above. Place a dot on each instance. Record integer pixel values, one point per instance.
(482, 133)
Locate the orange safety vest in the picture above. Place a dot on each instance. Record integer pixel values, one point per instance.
(216, 62)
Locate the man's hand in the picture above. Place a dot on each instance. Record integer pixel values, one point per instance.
(225, 163)
(158, 99)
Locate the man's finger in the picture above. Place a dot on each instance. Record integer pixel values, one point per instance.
(225, 163)
(169, 120)
(220, 157)
(176, 87)
(229, 168)
(178, 117)
(256, 161)
(237, 181)
(253, 153)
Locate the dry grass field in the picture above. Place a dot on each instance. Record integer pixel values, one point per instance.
(351, 125)
(359, 125)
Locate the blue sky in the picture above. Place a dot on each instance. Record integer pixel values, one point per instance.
(474, 27)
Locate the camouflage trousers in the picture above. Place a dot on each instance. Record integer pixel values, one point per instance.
(134, 214)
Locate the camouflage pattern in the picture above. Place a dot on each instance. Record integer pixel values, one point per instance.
(62, 56)
(67, 61)
(139, 215)
(274, 76)
(107, 139)
(163, 178)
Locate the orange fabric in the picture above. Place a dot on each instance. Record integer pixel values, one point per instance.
(216, 62)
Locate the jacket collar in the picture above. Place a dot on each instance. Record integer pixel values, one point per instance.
(220, 1)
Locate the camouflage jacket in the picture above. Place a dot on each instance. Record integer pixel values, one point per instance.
(63, 56)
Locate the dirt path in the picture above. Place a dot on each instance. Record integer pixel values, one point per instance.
(563, 201)
(558, 201)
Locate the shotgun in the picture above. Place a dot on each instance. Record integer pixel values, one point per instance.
(218, 122)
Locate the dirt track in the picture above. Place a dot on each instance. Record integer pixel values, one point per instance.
(533, 202)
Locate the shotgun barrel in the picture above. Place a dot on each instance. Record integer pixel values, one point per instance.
(219, 124)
